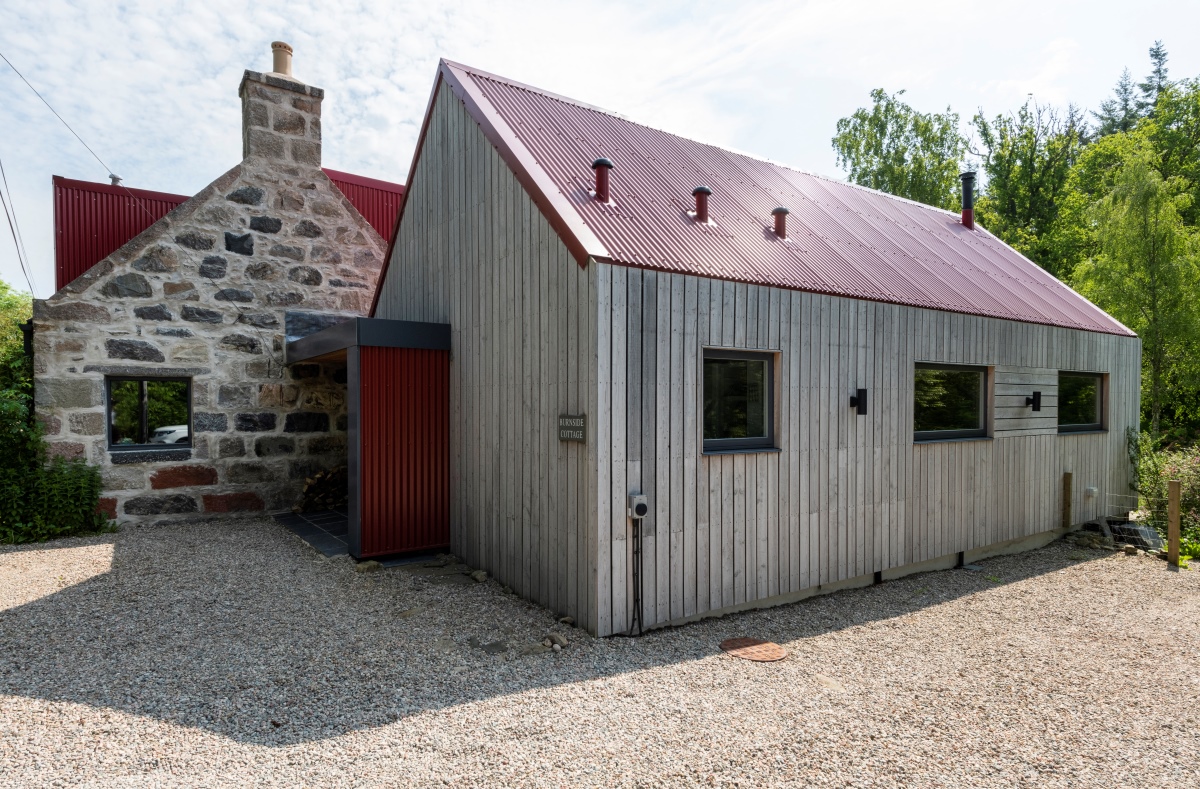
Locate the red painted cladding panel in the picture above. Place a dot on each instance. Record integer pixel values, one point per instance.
(405, 439)
(91, 221)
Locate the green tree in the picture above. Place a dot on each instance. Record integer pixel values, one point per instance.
(1145, 274)
(896, 149)
(1156, 82)
(1120, 113)
(15, 308)
(1027, 160)
(1174, 131)
(1091, 179)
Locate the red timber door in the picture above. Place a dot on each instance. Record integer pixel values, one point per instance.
(404, 451)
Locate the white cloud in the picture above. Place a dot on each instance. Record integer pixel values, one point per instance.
(152, 85)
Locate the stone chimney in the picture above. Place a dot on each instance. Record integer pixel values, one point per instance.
(281, 116)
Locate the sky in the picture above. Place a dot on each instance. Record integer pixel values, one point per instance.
(151, 86)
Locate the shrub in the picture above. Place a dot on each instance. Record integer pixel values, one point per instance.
(1154, 467)
(39, 499)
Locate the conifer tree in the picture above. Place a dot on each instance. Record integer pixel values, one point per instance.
(1120, 113)
(1156, 82)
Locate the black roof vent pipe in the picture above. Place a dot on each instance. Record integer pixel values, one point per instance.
(968, 200)
(602, 166)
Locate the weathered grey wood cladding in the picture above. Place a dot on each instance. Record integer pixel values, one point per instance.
(473, 251)
(843, 496)
(846, 495)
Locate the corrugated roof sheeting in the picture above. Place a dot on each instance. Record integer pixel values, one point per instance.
(378, 201)
(91, 220)
(842, 240)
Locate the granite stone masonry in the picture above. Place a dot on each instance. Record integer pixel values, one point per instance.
(204, 294)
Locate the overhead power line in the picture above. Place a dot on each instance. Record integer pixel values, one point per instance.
(267, 347)
(61, 118)
(14, 227)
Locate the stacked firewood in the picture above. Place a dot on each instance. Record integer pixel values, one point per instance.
(325, 490)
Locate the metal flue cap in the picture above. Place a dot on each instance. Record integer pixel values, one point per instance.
(779, 210)
(701, 190)
(602, 162)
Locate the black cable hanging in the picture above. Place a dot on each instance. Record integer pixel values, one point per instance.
(636, 616)
(269, 348)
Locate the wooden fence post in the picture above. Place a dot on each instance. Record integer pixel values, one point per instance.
(1173, 491)
(1066, 510)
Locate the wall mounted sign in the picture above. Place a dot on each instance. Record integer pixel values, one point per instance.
(572, 427)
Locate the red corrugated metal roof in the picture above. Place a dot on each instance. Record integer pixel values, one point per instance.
(91, 220)
(843, 239)
(378, 201)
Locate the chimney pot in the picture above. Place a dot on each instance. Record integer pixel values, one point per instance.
(602, 166)
(701, 194)
(282, 56)
(780, 215)
(968, 200)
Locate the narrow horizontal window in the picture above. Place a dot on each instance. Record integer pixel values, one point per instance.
(1080, 402)
(949, 402)
(149, 412)
(738, 405)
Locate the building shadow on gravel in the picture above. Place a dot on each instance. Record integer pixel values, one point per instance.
(240, 629)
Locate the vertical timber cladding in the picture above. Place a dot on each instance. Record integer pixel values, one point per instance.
(846, 495)
(404, 440)
(474, 251)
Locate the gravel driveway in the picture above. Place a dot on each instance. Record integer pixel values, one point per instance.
(231, 654)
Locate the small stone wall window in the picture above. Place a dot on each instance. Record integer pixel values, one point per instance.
(1080, 402)
(738, 407)
(149, 412)
(949, 401)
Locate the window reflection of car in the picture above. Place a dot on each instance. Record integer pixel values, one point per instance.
(172, 434)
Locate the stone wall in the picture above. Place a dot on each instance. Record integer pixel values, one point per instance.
(207, 293)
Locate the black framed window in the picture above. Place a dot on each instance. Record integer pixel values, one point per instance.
(1080, 402)
(739, 395)
(949, 401)
(149, 412)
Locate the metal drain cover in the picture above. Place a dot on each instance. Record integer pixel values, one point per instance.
(754, 649)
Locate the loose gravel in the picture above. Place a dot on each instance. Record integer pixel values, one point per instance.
(231, 654)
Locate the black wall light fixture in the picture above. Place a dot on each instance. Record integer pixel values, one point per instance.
(859, 402)
(1035, 401)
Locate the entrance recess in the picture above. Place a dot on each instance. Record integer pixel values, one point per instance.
(398, 403)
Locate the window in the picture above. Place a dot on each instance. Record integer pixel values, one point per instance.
(149, 412)
(738, 408)
(949, 402)
(1080, 402)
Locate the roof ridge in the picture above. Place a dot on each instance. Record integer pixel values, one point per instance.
(728, 149)
(929, 237)
(478, 72)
